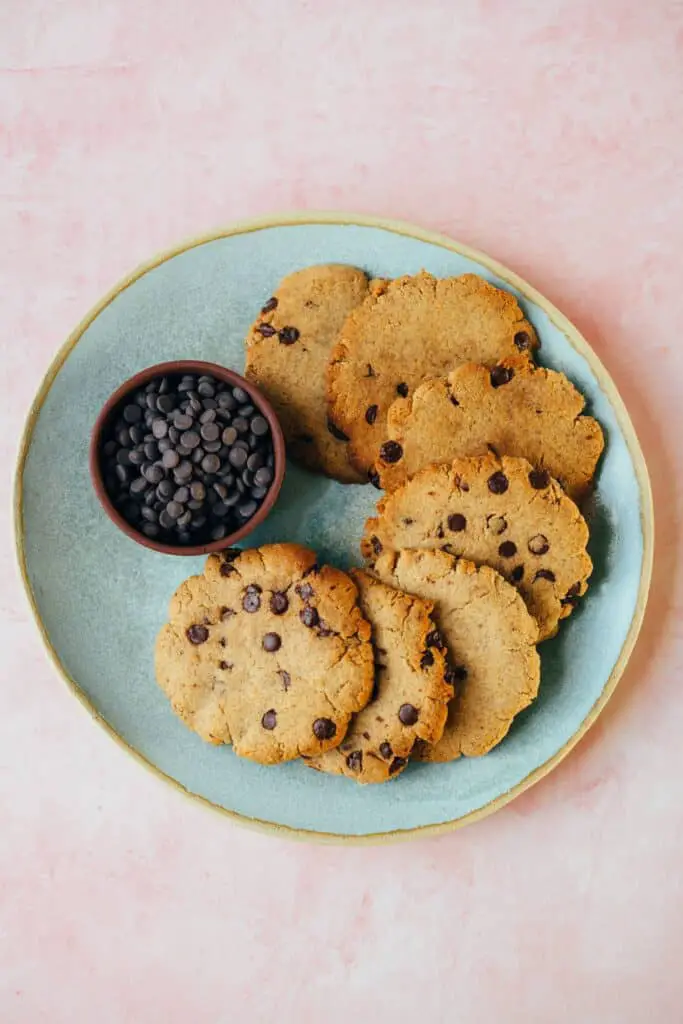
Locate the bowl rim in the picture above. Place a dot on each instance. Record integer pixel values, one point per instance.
(177, 367)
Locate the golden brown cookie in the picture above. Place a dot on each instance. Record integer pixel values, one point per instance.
(410, 696)
(491, 640)
(515, 409)
(288, 348)
(497, 512)
(266, 651)
(409, 329)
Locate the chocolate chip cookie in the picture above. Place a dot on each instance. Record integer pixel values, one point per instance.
(515, 409)
(288, 348)
(410, 696)
(501, 512)
(266, 651)
(409, 329)
(491, 641)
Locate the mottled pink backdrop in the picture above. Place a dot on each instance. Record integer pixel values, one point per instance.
(548, 133)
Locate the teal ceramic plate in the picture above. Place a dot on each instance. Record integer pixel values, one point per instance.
(100, 598)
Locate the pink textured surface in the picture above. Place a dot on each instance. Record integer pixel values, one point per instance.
(547, 132)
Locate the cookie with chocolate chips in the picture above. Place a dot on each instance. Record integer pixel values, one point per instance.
(491, 642)
(267, 651)
(515, 409)
(288, 348)
(501, 512)
(410, 696)
(409, 329)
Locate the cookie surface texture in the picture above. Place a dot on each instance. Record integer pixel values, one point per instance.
(498, 512)
(410, 696)
(267, 651)
(491, 645)
(288, 348)
(515, 408)
(410, 329)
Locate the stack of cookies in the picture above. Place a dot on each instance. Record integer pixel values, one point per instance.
(427, 388)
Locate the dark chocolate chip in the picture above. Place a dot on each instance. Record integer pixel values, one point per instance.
(259, 426)
(545, 574)
(507, 549)
(270, 305)
(197, 634)
(391, 452)
(517, 574)
(501, 375)
(376, 545)
(522, 340)
(309, 616)
(402, 390)
(457, 522)
(538, 545)
(251, 602)
(373, 478)
(272, 642)
(304, 590)
(397, 764)
(496, 524)
(408, 714)
(211, 463)
(286, 678)
(354, 761)
(269, 720)
(288, 335)
(434, 639)
(279, 603)
(456, 674)
(324, 729)
(132, 413)
(498, 483)
(265, 330)
(427, 659)
(385, 750)
(371, 414)
(539, 478)
(209, 431)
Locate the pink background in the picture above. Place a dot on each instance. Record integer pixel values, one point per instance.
(548, 133)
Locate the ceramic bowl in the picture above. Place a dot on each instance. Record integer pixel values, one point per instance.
(179, 367)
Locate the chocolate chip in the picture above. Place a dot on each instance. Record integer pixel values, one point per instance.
(434, 639)
(269, 720)
(507, 549)
(354, 761)
(572, 595)
(251, 602)
(288, 335)
(132, 413)
(304, 590)
(522, 340)
(209, 432)
(545, 574)
(538, 545)
(385, 750)
(397, 764)
(457, 522)
(373, 478)
(371, 414)
(376, 545)
(539, 478)
(336, 431)
(309, 616)
(408, 714)
(455, 674)
(278, 603)
(517, 574)
(498, 483)
(496, 524)
(226, 568)
(272, 642)
(225, 665)
(501, 375)
(402, 390)
(197, 634)
(286, 678)
(265, 330)
(270, 305)
(211, 463)
(237, 458)
(391, 452)
(324, 729)
(427, 659)
(259, 426)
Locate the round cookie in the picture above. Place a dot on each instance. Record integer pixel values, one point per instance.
(266, 651)
(410, 696)
(491, 642)
(409, 329)
(288, 348)
(499, 512)
(516, 409)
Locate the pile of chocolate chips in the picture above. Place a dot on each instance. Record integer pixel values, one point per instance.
(187, 459)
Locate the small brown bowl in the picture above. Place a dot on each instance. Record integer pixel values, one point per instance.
(177, 368)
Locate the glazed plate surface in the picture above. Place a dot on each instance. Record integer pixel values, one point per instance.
(100, 598)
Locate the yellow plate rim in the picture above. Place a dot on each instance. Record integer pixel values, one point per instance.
(576, 340)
